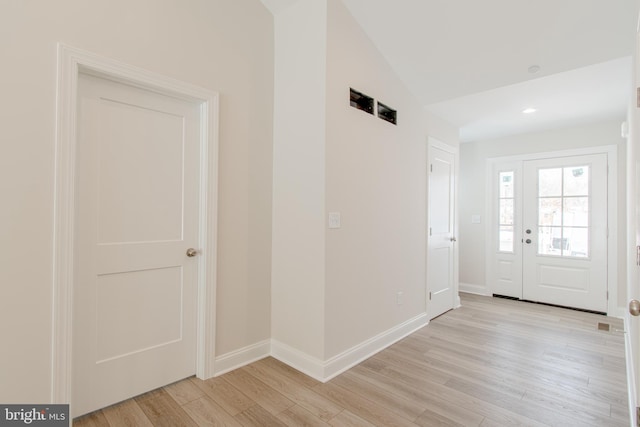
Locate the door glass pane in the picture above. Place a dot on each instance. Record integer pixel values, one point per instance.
(563, 211)
(550, 182)
(545, 240)
(576, 212)
(576, 181)
(506, 211)
(550, 211)
(506, 238)
(506, 184)
(577, 239)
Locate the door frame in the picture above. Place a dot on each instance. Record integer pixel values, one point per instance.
(72, 62)
(436, 143)
(612, 219)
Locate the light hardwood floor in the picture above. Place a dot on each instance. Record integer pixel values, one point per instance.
(492, 362)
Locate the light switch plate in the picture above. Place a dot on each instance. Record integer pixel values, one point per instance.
(334, 219)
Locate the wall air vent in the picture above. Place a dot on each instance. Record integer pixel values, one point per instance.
(388, 114)
(361, 101)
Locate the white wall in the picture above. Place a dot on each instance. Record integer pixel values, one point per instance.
(472, 194)
(343, 160)
(298, 258)
(377, 180)
(223, 45)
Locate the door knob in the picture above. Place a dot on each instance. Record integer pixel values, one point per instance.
(192, 252)
(528, 241)
(528, 231)
(453, 239)
(634, 307)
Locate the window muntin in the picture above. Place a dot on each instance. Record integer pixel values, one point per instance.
(563, 211)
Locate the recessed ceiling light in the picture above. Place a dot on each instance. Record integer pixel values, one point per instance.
(534, 69)
(529, 110)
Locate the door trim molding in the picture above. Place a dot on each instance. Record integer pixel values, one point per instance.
(72, 62)
(611, 152)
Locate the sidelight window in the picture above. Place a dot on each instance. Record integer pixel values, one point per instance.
(506, 211)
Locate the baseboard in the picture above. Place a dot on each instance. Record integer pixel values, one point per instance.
(348, 359)
(298, 360)
(631, 376)
(325, 370)
(241, 357)
(471, 288)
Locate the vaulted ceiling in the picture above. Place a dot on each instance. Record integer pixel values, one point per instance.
(469, 61)
(479, 63)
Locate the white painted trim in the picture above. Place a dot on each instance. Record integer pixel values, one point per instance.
(298, 360)
(242, 357)
(612, 194)
(631, 375)
(326, 370)
(553, 154)
(612, 220)
(618, 313)
(435, 142)
(350, 358)
(72, 62)
(472, 288)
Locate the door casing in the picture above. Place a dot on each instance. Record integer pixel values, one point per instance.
(612, 194)
(72, 62)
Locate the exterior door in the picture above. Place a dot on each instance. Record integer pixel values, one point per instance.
(550, 231)
(565, 236)
(135, 292)
(441, 255)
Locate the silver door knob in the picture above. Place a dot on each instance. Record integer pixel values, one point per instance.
(634, 307)
(192, 252)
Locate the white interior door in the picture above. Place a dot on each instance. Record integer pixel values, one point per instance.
(441, 255)
(135, 289)
(565, 231)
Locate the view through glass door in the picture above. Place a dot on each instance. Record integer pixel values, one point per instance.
(551, 231)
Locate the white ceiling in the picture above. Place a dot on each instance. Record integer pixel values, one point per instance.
(571, 98)
(467, 60)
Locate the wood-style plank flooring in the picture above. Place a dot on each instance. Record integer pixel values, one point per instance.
(492, 362)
